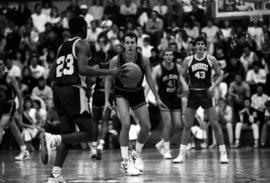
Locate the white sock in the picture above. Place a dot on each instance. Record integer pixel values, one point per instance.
(139, 147)
(101, 141)
(94, 143)
(183, 148)
(59, 139)
(167, 146)
(23, 148)
(222, 148)
(124, 152)
(56, 171)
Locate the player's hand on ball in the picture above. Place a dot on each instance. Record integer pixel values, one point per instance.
(123, 71)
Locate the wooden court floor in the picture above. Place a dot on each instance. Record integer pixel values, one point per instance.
(246, 165)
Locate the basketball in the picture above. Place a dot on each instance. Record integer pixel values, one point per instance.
(134, 75)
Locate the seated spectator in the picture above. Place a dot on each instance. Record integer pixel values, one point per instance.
(191, 29)
(36, 69)
(167, 38)
(74, 8)
(93, 32)
(43, 92)
(30, 129)
(87, 16)
(211, 31)
(248, 119)
(112, 11)
(103, 43)
(39, 19)
(97, 9)
(154, 59)
(146, 47)
(226, 31)
(46, 7)
(234, 67)
(128, 10)
(221, 57)
(224, 113)
(256, 33)
(255, 76)
(161, 7)
(178, 56)
(28, 80)
(154, 27)
(143, 12)
(258, 102)
(38, 113)
(248, 58)
(238, 90)
(13, 70)
(266, 124)
(221, 90)
(54, 17)
(141, 35)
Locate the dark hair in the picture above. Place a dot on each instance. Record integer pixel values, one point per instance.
(76, 24)
(267, 103)
(131, 35)
(247, 98)
(198, 39)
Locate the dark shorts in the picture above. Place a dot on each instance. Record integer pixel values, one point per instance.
(70, 100)
(7, 109)
(172, 103)
(136, 98)
(98, 99)
(197, 98)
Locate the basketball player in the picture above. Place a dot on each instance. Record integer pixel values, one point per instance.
(201, 89)
(98, 101)
(70, 97)
(9, 89)
(127, 98)
(168, 78)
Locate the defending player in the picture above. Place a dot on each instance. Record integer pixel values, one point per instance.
(201, 89)
(133, 98)
(169, 80)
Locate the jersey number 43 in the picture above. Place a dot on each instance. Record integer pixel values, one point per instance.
(64, 65)
(200, 74)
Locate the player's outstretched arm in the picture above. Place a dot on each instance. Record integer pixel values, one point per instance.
(150, 81)
(83, 55)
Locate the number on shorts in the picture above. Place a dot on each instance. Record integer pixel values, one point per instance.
(62, 68)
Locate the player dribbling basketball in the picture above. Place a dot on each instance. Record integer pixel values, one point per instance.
(134, 98)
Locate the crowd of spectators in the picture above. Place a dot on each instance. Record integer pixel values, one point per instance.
(29, 40)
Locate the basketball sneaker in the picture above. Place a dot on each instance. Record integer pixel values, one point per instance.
(223, 157)
(160, 147)
(180, 158)
(137, 158)
(58, 179)
(128, 167)
(48, 144)
(167, 155)
(99, 154)
(24, 155)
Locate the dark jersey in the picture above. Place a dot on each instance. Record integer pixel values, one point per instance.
(6, 90)
(199, 73)
(168, 83)
(122, 61)
(67, 72)
(100, 81)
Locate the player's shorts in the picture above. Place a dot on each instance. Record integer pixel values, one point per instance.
(70, 100)
(197, 98)
(7, 109)
(135, 98)
(172, 103)
(98, 99)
